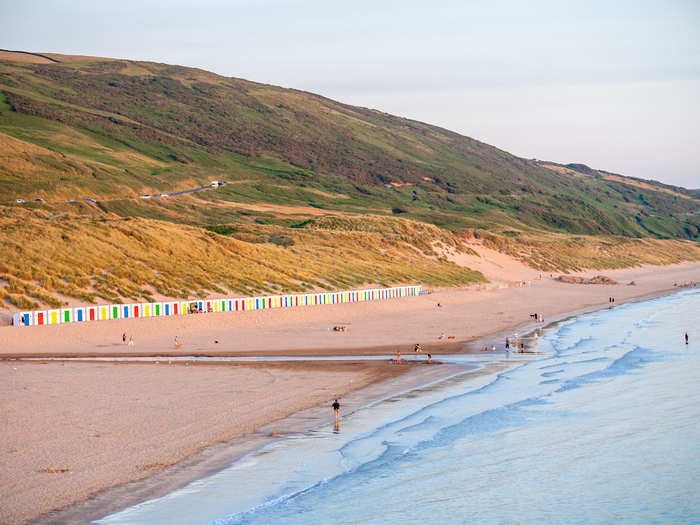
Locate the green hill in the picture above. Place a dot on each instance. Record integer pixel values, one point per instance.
(123, 127)
(76, 127)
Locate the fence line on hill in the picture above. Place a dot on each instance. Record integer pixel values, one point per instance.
(171, 308)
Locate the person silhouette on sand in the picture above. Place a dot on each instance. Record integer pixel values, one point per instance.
(336, 413)
(686, 338)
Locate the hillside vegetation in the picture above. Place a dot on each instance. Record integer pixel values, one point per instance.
(118, 259)
(564, 253)
(320, 194)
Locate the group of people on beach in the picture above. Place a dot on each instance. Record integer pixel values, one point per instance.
(515, 346)
(417, 348)
(537, 317)
(686, 284)
(131, 340)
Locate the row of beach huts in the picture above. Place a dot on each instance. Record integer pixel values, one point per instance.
(241, 304)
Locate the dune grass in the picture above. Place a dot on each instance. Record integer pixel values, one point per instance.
(97, 257)
(134, 259)
(564, 253)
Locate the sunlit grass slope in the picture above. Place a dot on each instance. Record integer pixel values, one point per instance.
(557, 252)
(320, 194)
(129, 259)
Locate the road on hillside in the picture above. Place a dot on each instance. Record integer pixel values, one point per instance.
(145, 196)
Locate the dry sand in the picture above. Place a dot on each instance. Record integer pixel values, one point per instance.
(71, 429)
(373, 327)
(111, 423)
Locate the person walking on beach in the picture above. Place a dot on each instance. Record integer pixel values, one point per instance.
(124, 338)
(336, 412)
(131, 340)
(686, 338)
(507, 344)
(398, 357)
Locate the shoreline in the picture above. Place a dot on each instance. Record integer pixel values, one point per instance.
(220, 456)
(459, 305)
(527, 328)
(470, 345)
(373, 328)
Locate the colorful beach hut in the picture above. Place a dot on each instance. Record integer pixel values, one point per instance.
(124, 311)
(79, 314)
(66, 315)
(53, 317)
(103, 313)
(91, 313)
(114, 311)
(40, 317)
(25, 319)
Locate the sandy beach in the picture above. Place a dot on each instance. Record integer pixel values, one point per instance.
(73, 429)
(377, 327)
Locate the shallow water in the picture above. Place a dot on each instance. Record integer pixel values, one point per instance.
(604, 427)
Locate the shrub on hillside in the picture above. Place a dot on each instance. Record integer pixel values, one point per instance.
(22, 301)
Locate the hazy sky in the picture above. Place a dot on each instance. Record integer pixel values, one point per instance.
(615, 85)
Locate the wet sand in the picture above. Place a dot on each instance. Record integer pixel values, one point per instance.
(113, 423)
(71, 429)
(218, 456)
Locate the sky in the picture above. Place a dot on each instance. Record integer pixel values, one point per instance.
(614, 85)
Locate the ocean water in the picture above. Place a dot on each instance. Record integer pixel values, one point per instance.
(602, 427)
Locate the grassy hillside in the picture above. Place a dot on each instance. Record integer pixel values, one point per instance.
(116, 128)
(320, 194)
